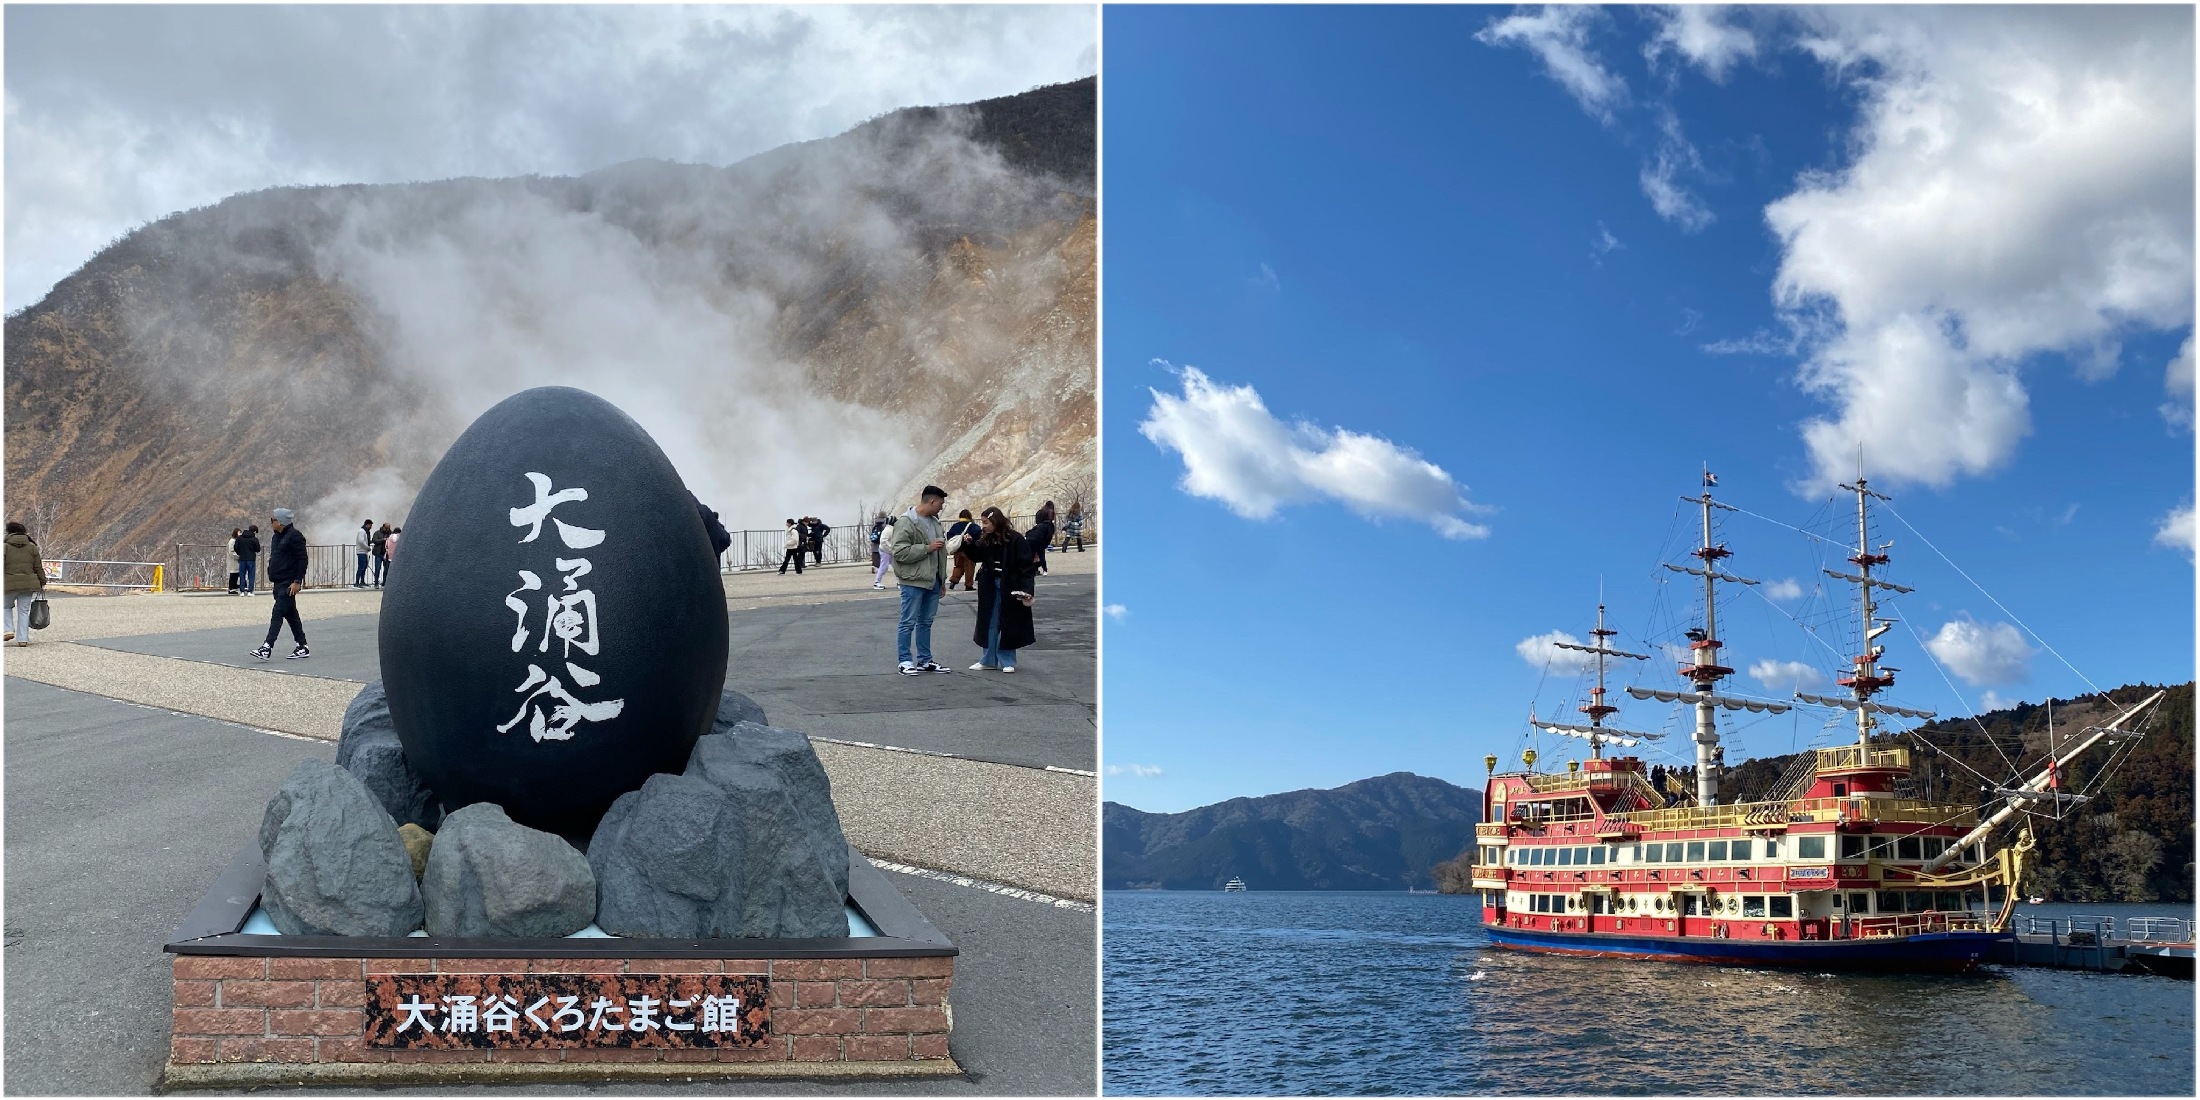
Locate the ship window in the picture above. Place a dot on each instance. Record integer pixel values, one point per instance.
(1890, 901)
(1919, 901)
(1810, 847)
(1673, 852)
(1840, 790)
(1907, 848)
(1654, 853)
(1695, 851)
(1860, 903)
(1565, 857)
(1753, 905)
(1837, 901)
(1581, 857)
(1934, 845)
(1783, 906)
(1952, 900)
(1882, 847)
(1852, 847)
(1772, 847)
(1718, 850)
(1596, 856)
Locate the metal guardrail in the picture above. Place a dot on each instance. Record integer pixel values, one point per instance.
(205, 566)
(95, 574)
(765, 548)
(2083, 929)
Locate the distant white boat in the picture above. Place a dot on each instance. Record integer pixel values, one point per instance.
(1234, 886)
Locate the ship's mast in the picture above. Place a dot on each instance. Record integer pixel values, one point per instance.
(1598, 710)
(1869, 679)
(1705, 670)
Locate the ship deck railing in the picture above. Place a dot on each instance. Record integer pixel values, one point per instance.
(1845, 757)
(1911, 924)
(1752, 815)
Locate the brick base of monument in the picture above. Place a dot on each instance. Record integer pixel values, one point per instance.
(268, 1010)
(308, 1010)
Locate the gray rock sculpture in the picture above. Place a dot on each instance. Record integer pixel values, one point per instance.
(369, 749)
(335, 865)
(735, 708)
(794, 879)
(418, 843)
(666, 859)
(488, 876)
(788, 753)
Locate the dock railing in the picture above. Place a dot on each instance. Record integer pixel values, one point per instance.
(2082, 929)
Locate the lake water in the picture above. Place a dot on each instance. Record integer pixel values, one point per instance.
(1399, 994)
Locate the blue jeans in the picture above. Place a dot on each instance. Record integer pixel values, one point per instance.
(995, 656)
(381, 565)
(245, 570)
(360, 581)
(919, 606)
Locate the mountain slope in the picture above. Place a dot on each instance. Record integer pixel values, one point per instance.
(1382, 833)
(824, 324)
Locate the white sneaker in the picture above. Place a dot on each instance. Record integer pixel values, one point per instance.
(878, 586)
(1010, 668)
(910, 669)
(981, 666)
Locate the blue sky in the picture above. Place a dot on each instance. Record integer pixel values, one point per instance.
(1418, 321)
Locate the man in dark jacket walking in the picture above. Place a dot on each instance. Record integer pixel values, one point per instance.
(286, 571)
(248, 558)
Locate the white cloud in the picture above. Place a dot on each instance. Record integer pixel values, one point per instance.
(2022, 183)
(1116, 611)
(1787, 588)
(1605, 243)
(1542, 649)
(1266, 280)
(1661, 176)
(2176, 530)
(1700, 34)
(118, 116)
(2178, 380)
(1136, 771)
(1981, 653)
(1235, 451)
(1559, 36)
(1787, 676)
(1993, 701)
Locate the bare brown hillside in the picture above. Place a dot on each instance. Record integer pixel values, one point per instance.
(830, 322)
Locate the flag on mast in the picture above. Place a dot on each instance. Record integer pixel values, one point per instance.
(1709, 479)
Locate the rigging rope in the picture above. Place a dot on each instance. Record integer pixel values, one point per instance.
(1960, 698)
(1997, 603)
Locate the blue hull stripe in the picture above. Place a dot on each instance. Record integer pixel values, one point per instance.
(1927, 951)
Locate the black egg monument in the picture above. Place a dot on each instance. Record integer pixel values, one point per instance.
(554, 631)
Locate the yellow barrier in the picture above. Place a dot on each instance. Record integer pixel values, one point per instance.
(159, 575)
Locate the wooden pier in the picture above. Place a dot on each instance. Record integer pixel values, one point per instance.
(2138, 945)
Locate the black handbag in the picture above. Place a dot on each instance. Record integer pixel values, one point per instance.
(41, 614)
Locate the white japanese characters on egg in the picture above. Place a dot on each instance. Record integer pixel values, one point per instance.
(550, 709)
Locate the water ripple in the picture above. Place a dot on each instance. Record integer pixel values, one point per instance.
(1395, 994)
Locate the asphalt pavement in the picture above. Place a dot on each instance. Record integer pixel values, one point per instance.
(119, 816)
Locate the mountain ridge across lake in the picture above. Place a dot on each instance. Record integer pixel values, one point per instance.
(1381, 833)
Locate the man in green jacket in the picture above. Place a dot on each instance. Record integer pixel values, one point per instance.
(25, 577)
(920, 564)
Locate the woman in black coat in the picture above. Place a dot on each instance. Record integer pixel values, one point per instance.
(1004, 565)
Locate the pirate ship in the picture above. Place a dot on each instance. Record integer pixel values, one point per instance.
(1839, 868)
